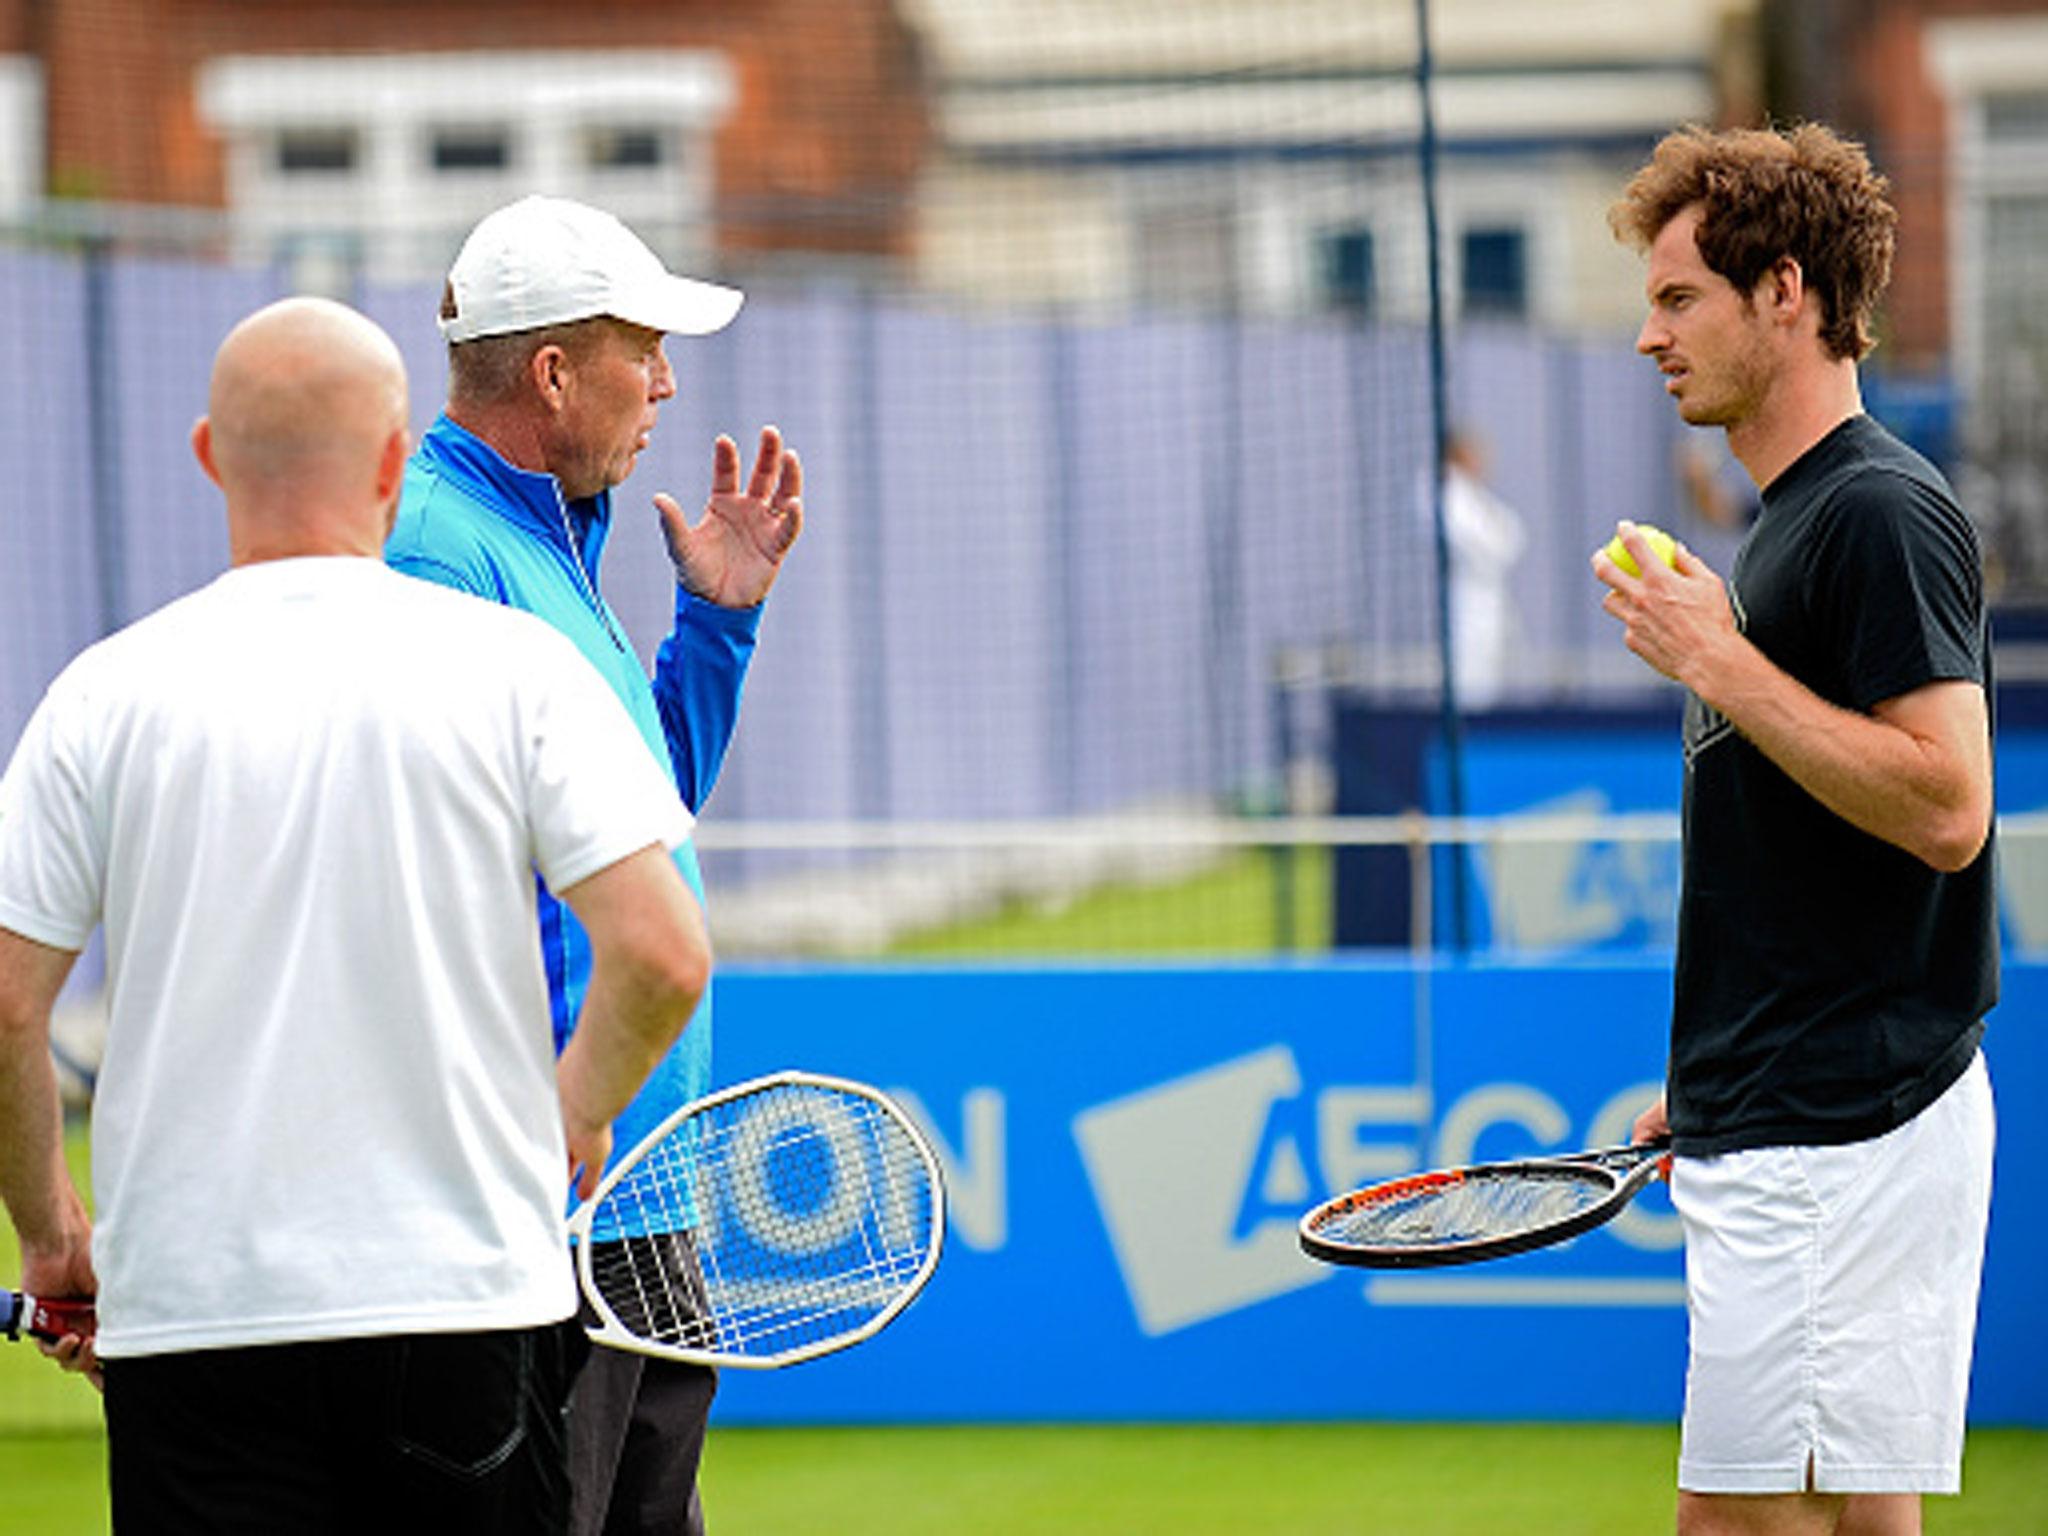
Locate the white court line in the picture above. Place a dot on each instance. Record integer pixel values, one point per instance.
(1474, 1291)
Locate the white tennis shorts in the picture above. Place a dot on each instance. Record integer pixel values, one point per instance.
(1833, 1302)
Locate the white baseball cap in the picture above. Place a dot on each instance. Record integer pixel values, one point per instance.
(547, 261)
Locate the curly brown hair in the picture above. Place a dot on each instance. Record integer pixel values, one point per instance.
(1805, 193)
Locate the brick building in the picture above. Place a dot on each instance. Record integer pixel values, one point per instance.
(774, 125)
(1937, 88)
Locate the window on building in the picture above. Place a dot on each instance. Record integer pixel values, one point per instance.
(627, 147)
(471, 147)
(1994, 73)
(2015, 276)
(2016, 117)
(1350, 270)
(317, 151)
(1496, 273)
(2014, 213)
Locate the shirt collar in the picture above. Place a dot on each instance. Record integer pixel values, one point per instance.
(1847, 436)
(530, 500)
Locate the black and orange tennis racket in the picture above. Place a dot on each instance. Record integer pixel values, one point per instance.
(1485, 1211)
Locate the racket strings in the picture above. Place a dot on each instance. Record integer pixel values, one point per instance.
(655, 1288)
(807, 1217)
(1473, 1209)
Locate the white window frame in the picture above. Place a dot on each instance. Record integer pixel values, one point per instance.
(406, 217)
(21, 134)
(1973, 59)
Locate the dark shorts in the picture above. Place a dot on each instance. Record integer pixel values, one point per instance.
(428, 1433)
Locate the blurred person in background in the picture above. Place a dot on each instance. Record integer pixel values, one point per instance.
(1486, 539)
(555, 315)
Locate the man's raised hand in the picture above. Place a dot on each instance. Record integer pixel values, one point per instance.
(734, 553)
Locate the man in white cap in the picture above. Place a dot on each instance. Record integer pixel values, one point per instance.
(555, 315)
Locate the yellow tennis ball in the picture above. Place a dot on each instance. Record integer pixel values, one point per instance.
(1661, 544)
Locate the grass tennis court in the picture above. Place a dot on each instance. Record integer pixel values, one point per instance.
(1254, 903)
(1135, 1480)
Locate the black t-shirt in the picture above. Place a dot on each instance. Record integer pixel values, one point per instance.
(1830, 985)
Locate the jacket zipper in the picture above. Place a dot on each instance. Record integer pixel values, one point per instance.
(583, 575)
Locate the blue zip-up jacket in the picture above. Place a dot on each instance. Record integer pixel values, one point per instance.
(469, 520)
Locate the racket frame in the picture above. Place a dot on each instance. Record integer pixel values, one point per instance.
(1627, 1170)
(614, 1334)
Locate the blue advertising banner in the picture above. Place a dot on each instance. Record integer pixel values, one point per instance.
(1589, 895)
(1127, 1152)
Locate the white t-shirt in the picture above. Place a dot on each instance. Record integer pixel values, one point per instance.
(308, 802)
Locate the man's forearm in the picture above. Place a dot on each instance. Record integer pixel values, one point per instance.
(34, 1183)
(33, 1180)
(624, 1029)
(1923, 791)
(700, 672)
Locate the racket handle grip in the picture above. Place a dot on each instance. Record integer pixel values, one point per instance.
(51, 1320)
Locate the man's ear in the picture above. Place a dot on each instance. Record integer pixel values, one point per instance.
(202, 448)
(391, 475)
(548, 369)
(1783, 289)
(391, 464)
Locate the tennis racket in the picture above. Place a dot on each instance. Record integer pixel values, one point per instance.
(768, 1223)
(48, 1320)
(1486, 1211)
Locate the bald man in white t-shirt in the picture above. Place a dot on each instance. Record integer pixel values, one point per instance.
(331, 1140)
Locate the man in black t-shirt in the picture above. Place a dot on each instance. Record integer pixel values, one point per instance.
(1837, 945)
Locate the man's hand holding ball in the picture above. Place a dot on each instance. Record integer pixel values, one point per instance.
(1662, 545)
(1685, 628)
